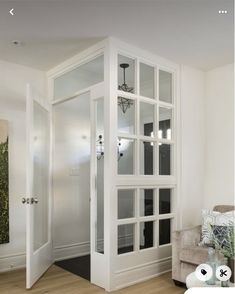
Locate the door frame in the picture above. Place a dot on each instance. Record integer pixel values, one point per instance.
(95, 92)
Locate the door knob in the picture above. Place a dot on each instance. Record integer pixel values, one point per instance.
(34, 200)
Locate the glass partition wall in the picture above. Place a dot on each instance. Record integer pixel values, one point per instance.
(146, 172)
(133, 176)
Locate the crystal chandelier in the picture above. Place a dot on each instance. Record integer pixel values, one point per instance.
(125, 103)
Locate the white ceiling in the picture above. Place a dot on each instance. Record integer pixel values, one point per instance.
(191, 32)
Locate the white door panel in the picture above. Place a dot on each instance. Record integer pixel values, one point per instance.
(38, 199)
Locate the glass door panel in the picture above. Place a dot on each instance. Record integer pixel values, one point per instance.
(100, 151)
(41, 175)
(39, 256)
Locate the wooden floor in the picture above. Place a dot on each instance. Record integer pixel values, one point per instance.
(58, 281)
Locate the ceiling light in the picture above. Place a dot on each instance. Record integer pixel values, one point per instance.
(125, 103)
(16, 43)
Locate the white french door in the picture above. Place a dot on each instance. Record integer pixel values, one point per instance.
(38, 202)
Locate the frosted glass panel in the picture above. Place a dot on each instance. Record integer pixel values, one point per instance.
(146, 80)
(41, 175)
(165, 86)
(100, 176)
(84, 76)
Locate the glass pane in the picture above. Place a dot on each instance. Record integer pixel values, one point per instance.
(125, 157)
(164, 231)
(164, 201)
(146, 158)
(146, 80)
(126, 237)
(126, 115)
(82, 77)
(146, 235)
(41, 175)
(100, 175)
(126, 203)
(165, 86)
(164, 159)
(165, 123)
(146, 119)
(126, 74)
(146, 202)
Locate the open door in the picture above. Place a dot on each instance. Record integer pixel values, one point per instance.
(38, 179)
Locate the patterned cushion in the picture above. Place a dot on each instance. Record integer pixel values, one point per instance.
(221, 233)
(213, 218)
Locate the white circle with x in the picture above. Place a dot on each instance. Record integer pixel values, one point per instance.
(223, 273)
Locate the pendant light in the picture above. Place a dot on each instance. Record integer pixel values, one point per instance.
(125, 103)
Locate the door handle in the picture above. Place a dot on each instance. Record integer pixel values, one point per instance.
(29, 200)
(34, 200)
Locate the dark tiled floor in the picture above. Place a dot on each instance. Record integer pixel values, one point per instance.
(80, 266)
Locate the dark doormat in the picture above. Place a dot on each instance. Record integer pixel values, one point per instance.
(79, 266)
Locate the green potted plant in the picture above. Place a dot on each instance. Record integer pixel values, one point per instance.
(223, 241)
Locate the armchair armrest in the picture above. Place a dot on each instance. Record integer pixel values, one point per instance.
(180, 239)
(187, 237)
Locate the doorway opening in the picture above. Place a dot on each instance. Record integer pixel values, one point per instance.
(71, 184)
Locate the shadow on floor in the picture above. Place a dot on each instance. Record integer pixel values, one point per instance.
(79, 266)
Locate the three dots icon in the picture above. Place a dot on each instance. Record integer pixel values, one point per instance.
(223, 11)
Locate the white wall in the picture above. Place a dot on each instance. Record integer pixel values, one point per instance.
(193, 145)
(13, 79)
(207, 118)
(219, 153)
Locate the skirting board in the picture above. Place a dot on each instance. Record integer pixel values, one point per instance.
(142, 273)
(70, 251)
(12, 262)
(83, 248)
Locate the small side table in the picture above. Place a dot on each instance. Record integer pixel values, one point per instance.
(192, 281)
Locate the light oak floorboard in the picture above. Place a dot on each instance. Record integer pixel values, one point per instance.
(58, 281)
